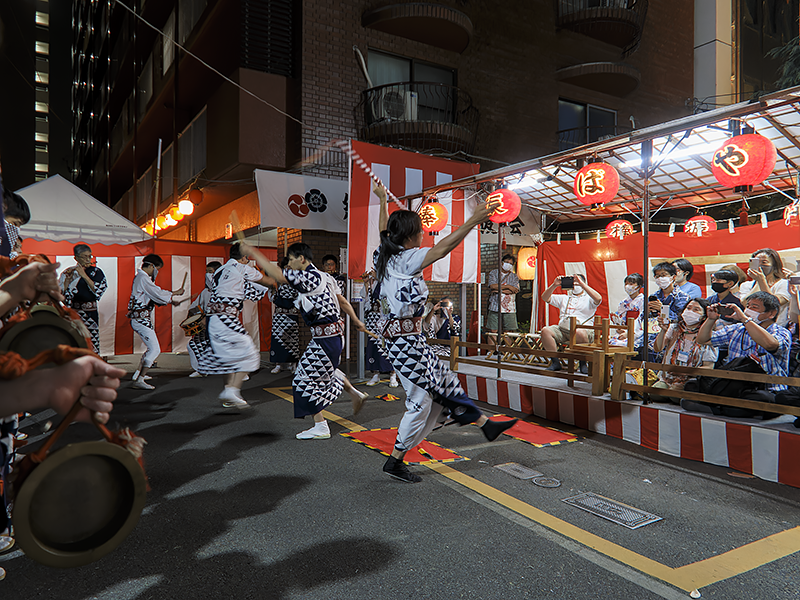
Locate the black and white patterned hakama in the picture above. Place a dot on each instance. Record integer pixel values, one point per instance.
(376, 356)
(285, 344)
(225, 346)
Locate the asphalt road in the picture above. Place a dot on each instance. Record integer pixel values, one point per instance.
(241, 509)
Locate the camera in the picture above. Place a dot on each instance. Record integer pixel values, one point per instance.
(567, 282)
(725, 311)
(794, 280)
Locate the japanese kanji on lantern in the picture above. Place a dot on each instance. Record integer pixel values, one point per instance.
(699, 226)
(619, 229)
(509, 208)
(791, 215)
(434, 217)
(596, 183)
(744, 160)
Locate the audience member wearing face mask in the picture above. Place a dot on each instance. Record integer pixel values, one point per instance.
(667, 294)
(581, 301)
(681, 347)
(630, 307)
(683, 273)
(769, 277)
(757, 335)
(723, 283)
(504, 287)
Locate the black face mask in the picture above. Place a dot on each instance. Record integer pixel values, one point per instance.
(718, 287)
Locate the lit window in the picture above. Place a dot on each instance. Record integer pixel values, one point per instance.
(42, 77)
(42, 137)
(43, 48)
(40, 167)
(42, 19)
(42, 107)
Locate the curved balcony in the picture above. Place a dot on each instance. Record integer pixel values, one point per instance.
(616, 22)
(418, 116)
(426, 22)
(615, 79)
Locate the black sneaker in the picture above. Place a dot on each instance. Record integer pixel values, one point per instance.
(583, 367)
(492, 429)
(397, 469)
(555, 365)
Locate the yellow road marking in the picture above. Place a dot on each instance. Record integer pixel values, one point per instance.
(687, 578)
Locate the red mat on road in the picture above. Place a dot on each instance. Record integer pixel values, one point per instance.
(382, 440)
(536, 435)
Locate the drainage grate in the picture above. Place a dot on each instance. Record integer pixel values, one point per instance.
(518, 471)
(619, 513)
(546, 482)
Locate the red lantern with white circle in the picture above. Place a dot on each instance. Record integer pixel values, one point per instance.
(509, 207)
(596, 183)
(619, 229)
(434, 217)
(791, 215)
(699, 226)
(744, 160)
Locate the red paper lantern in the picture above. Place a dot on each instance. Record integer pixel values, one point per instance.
(434, 217)
(791, 215)
(699, 225)
(196, 196)
(161, 221)
(509, 208)
(596, 183)
(744, 160)
(619, 229)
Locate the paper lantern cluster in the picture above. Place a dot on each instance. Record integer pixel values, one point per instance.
(699, 225)
(744, 160)
(596, 184)
(509, 207)
(619, 229)
(174, 214)
(434, 217)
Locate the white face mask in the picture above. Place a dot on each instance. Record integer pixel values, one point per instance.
(753, 314)
(210, 281)
(631, 290)
(691, 318)
(155, 272)
(576, 291)
(507, 266)
(663, 282)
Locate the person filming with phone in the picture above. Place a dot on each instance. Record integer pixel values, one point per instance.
(766, 274)
(581, 302)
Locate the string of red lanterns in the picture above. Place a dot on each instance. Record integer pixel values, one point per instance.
(174, 214)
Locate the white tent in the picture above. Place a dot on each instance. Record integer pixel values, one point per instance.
(61, 211)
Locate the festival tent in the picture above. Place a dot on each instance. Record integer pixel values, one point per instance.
(63, 215)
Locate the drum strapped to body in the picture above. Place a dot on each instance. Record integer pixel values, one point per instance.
(75, 505)
(194, 325)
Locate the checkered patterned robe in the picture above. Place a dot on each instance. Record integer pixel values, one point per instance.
(78, 296)
(285, 346)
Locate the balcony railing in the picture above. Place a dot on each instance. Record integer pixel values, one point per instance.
(617, 22)
(419, 116)
(579, 136)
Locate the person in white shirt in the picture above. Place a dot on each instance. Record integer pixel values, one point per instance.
(768, 278)
(200, 304)
(580, 302)
(145, 294)
(630, 307)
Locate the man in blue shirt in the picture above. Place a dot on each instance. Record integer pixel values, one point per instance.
(683, 273)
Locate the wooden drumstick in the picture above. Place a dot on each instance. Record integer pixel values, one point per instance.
(237, 226)
(184, 281)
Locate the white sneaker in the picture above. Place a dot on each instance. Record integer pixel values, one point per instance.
(393, 380)
(320, 431)
(232, 398)
(277, 369)
(246, 377)
(135, 375)
(376, 379)
(141, 384)
(196, 374)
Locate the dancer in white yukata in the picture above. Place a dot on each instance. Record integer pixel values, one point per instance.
(430, 386)
(145, 294)
(317, 380)
(83, 285)
(228, 349)
(200, 304)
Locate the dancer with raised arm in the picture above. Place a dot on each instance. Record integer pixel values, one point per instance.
(317, 380)
(430, 386)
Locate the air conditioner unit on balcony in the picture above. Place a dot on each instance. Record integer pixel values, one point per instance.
(396, 105)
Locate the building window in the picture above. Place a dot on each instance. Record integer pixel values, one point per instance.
(387, 68)
(42, 137)
(168, 49)
(580, 124)
(41, 107)
(40, 167)
(42, 77)
(43, 48)
(42, 19)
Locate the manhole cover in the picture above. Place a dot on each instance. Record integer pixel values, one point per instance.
(619, 513)
(518, 471)
(546, 482)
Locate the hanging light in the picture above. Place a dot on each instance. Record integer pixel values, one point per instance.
(699, 225)
(744, 160)
(186, 207)
(619, 229)
(161, 221)
(434, 217)
(509, 208)
(176, 214)
(195, 197)
(526, 263)
(170, 221)
(596, 184)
